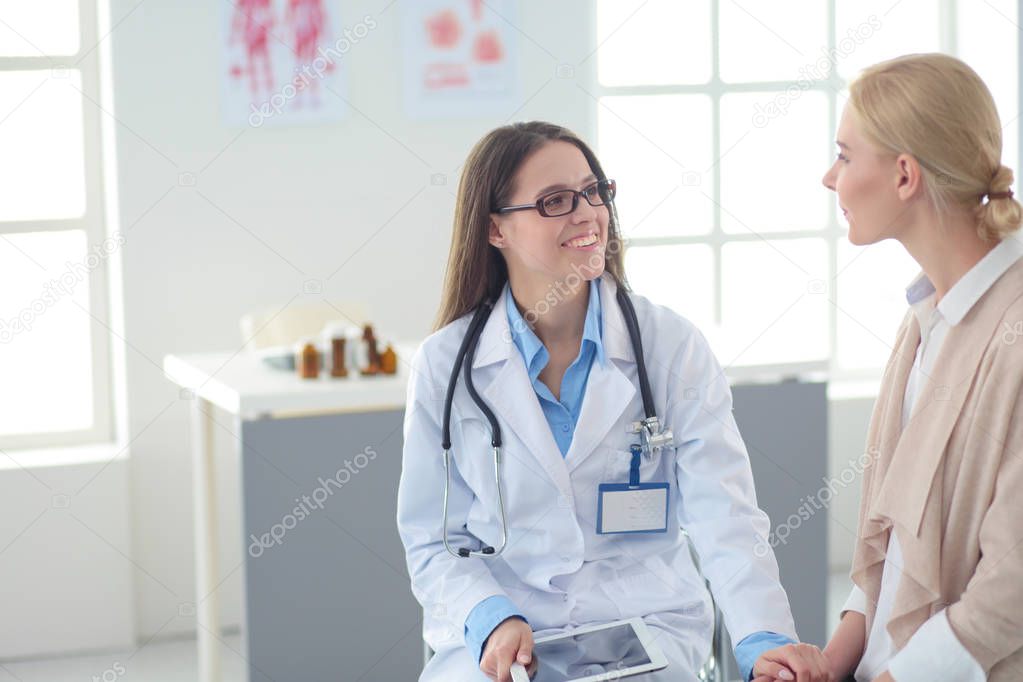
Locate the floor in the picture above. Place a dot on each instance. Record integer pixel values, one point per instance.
(175, 660)
(157, 661)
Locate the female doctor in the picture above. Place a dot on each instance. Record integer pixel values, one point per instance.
(500, 548)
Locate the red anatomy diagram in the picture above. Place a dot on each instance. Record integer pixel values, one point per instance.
(445, 32)
(252, 25)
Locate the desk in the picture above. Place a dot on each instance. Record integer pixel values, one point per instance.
(327, 591)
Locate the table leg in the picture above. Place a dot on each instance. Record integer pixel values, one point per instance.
(207, 564)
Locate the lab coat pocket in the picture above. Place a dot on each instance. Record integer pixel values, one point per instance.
(656, 469)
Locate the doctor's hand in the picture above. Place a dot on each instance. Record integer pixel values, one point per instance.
(793, 663)
(510, 641)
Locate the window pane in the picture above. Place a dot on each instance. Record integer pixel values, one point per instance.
(659, 150)
(679, 32)
(871, 293)
(870, 31)
(771, 41)
(774, 302)
(42, 170)
(988, 36)
(45, 350)
(680, 277)
(35, 28)
(774, 154)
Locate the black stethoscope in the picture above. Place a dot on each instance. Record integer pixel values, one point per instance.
(652, 436)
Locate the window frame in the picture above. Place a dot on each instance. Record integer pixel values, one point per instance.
(92, 222)
(831, 232)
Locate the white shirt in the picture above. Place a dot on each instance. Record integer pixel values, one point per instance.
(933, 652)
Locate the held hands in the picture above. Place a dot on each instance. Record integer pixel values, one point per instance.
(510, 641)
(793, 663)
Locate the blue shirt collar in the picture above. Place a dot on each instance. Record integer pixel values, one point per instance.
(529, 344)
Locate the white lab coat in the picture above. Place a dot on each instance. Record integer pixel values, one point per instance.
(556, 569)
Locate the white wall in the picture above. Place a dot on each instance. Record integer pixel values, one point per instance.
(66, 572)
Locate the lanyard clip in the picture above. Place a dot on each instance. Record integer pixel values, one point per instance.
(652, 437)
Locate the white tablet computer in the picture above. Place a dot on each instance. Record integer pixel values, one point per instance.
(590, 654)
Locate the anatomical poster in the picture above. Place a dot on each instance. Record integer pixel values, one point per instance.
(459, 57)
(283, 61)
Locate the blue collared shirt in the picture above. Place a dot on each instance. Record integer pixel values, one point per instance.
(562, 416)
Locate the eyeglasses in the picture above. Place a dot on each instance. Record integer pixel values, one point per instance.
(564, 201)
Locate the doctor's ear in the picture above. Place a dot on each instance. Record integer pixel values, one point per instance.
(909, 177)
(495, 236)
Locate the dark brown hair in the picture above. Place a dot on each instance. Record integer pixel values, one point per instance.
(476, 270)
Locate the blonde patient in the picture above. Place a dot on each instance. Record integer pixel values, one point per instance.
(938, 562)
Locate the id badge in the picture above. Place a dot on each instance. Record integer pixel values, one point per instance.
(626, 508)
(632, 507)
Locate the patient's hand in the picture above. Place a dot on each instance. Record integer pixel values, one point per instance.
(510, 641)
(792, 662)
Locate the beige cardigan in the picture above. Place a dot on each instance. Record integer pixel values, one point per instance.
(951, 484)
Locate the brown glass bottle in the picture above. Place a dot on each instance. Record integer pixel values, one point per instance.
(337, 365)
(389, 361)
(309, 362)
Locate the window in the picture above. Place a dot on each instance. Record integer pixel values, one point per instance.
(54, 338)
(718, 119)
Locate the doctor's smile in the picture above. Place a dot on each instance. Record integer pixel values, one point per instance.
(588, 241)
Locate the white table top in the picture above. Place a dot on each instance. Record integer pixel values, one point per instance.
(242, 384)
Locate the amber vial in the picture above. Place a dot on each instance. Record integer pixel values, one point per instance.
(309, 362)
(389, 361)
(337, 366)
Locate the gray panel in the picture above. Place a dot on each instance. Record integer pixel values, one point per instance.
(785, 427)
(331, 600)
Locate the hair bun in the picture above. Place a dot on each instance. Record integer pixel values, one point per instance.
(1001, 181)
(1001, 214)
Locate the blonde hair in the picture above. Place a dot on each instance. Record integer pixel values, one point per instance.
(937, 109)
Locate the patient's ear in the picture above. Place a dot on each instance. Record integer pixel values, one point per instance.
(908, 176)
